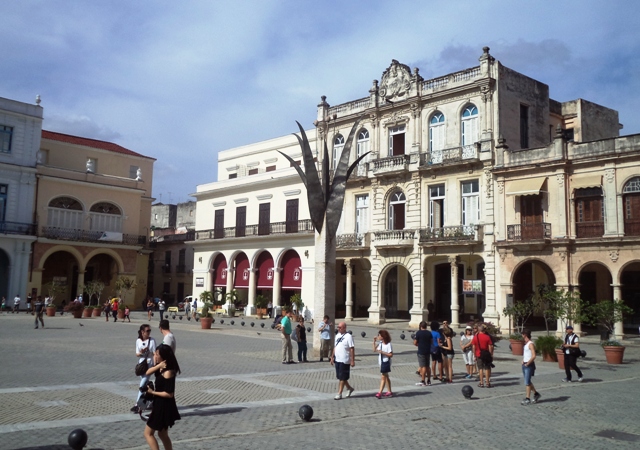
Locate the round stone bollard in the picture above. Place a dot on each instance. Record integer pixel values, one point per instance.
(467, 391)
(308, 329)
(306, 412)
(221, 321)
(402, 336)
(363, 334)
(78, 439)
(233, 322)
(273, 326)
(262, 325)
(252, 324)
(242, 323)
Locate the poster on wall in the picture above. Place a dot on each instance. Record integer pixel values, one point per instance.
(472, 286)
(199, 282)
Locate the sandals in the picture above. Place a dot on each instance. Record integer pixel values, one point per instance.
(489, 385)
(480, 385)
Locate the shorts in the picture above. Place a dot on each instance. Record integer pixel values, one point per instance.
(528, 372)
(343, 370)
(437, 357)
(423, 360)
(468, 357)
(450, 355)
(481, 364)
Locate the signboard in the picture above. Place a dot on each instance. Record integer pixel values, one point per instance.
(199, 282)
(472, 286)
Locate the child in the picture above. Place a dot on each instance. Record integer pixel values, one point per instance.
(382, 346)
(126, 314)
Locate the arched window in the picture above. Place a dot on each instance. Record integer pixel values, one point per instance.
(631, 198)
(589, 212)
(469, 125)
(397, 203)
(436, 137)
(338, 145)
(106, 216)
(363, 147)
(65, 212)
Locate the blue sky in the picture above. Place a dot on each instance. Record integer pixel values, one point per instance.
(180, 81)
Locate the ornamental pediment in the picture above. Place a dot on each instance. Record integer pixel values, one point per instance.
(396, 81)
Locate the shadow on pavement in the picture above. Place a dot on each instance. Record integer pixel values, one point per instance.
(215, 412)
(53, 447)
(562, 398)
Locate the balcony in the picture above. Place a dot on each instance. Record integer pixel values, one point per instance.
(392, 164)
(459, 233)
(276, 228)
(68, 234)
(587, 230)
(528, 232)
(632, 227)
(449, 156)
(394, 238)
(353, 240)
(18, 228)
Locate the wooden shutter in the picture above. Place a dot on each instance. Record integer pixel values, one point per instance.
(292, 216)
(241, 221)
(264, 218)
(218, 224)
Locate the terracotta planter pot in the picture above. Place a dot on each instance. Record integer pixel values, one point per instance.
(560, 356)
(121, 314)
(86, 313)
(51, 312)
(77, 314)
(614, 354)
(205, 322)
(97, 312)
(517, 347)
(550, 358)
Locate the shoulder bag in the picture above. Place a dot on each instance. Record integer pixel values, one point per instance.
(142, 367)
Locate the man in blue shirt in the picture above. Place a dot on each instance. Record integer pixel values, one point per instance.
(285, 329)
(436, 355)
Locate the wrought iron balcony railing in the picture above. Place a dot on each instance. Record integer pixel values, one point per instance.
(69, 234)
(450, 233)
(17, 228)
(353, 240)
(300, 226)
(527, 232)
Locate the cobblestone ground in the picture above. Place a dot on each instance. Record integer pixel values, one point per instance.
(234, 393)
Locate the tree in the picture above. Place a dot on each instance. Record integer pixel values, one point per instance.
(297, 301)
(123, 286)
(54, 290)
(607, 313)
(94, 288)
(520, 312)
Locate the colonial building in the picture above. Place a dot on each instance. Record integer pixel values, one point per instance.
(20, 128)
(93, 212)
(452, 211)
(171, 260)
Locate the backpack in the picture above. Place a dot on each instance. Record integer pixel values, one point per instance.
(277, 320)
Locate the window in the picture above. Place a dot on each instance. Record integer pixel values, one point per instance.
(167, 258)
(524, 126)
(133, 172)
(338, 145)
(362, 213)
(6, 134)
(589, 212)
(270, 168)
(436, 206)
(65, 212)
(105, 216)
(362, 148)
(397, 203)
(469, 125)
(253, 171)
(436, 137)
(264, 218)
(233, 175)
(166, 288)
(396, 140)
(218, 224)
(631, 198)
(182, 256)
(470, 202)
(241, 221)
(292, 216)
(3, 201)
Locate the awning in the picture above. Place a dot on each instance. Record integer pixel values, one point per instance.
(220, 272)
(530, 186)
(589, 181)
(242, 272)
(265, 270)
(291, 270)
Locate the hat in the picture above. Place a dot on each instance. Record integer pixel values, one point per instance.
(569, 327)
(468, 327)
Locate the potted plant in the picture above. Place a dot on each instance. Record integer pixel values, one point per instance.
(121, 308)
(207, 299)
(122, 288)
(606, 314)
(75, 308)
(516, 343)
(261, 303)
(519, 312)
(87, 312)
(297, 303)
(94, 288)
(231, 298)
(546, 345)
(54, 290)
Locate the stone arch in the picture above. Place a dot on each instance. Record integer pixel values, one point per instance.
(527, 275)
(594, 282)
(61, 248)
(108, 251)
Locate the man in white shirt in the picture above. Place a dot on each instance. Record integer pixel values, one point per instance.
(343, 358)
(168, 337)
(16, 304)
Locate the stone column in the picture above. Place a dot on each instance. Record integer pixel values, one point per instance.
(455, 320)
(349, 299)
(230, 273)
(618, 328)
(81, 283)
(276, 287)
(252, 292)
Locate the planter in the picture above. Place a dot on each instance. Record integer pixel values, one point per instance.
(121, 314)
(517, 347)
(51, 312)
(205, 322)
(550, 357)
(97, 312)
(560, 357)
(77, 314)
(87, 312)
(614, 354)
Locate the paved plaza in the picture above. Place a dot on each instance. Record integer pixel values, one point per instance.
(234, 393)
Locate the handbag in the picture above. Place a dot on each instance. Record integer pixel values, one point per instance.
(142, 367)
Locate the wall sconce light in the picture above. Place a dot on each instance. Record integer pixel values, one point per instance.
(200, 260)
(469, 270)
(306, 253)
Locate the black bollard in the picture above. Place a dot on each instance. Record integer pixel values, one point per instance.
(308, 329)
(402, 336)
(221, 321)
(233, 322)
(262, 325)
(77, 439)
(467, 391)
(242, 323)
(305, 412)
(363, 334)
(252, 324)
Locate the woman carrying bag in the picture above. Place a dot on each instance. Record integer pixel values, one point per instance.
(145, 348)
(382, 346)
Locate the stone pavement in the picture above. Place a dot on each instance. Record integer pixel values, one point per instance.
(234, 393)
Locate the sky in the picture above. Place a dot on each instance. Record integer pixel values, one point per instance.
(182, 80)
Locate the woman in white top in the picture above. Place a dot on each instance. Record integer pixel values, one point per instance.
(382, 346)
(145, 348)
(466, 344)
(529, 368)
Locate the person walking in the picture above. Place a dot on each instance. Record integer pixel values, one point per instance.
(165, 411)
(16, 304)
(325, 337)
(168, 337)
(150, 306)
(145, 349)
(343, 358)
(285, 332)
(382, 346)
(162, 306)
(423, 340)
(483, 349)
(29, 302)
(448, 353)
(127, 311)
(529, 368)
(571, 348)
(39, 309)
(194, 308)
(466, 345)
(107, 309)
(114, 309)
(436, 352)
(301, 334)
(270, 309)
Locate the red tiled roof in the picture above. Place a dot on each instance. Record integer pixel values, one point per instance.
(94, 143)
